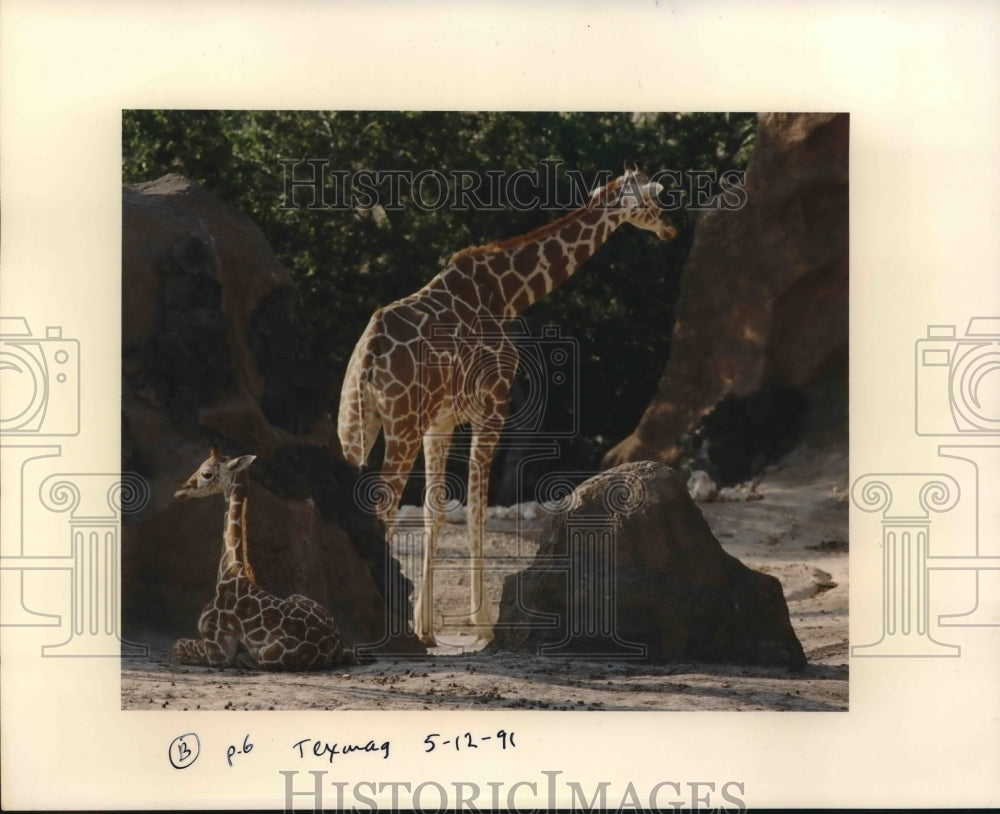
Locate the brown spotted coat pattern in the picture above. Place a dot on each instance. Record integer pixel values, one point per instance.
(441, 357)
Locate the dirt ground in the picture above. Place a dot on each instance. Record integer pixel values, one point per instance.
(792, 523)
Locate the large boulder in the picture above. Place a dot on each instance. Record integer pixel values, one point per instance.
(214, 352)
(764, 293)
(628, 568)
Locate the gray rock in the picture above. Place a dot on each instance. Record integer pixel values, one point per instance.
(630, 569)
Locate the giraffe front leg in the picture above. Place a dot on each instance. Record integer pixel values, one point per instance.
(437, 441)
(206, 652)
(484, 442)
(190, 651)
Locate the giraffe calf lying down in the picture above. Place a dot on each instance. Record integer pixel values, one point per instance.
(244, 623)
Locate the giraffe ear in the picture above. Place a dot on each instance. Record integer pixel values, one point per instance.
(239, 464)
(634, 195)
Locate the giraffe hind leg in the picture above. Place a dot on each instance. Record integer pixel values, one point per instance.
(308, 639)
(323, 631)
(371, 426)
(400, 453)
(285, 655)
(484, 441)
(246, 660)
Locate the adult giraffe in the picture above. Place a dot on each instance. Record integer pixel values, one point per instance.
(441, 357)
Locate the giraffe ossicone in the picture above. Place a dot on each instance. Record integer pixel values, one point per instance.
(443, 357)
(244, 624)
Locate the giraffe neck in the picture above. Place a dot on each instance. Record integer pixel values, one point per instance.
(231, 564)
(529, 267)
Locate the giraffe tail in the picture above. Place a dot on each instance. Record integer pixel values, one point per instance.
(358, 419)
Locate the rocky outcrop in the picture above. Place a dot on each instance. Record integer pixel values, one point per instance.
(214, 352)
(628, 568)
(764, 293)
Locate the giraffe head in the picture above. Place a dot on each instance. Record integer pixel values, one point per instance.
(215, 475)
(635, 194)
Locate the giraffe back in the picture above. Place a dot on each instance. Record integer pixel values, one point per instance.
(440, 356)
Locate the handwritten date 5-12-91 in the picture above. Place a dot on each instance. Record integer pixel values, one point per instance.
(469, 741)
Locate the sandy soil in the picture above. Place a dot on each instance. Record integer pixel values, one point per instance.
(792, 523)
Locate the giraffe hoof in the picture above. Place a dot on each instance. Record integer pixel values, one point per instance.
(428, 639)
(483, 629)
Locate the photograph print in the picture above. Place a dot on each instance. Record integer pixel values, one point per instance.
(485, 410)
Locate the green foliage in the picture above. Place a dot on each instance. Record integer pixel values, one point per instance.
(349, 261)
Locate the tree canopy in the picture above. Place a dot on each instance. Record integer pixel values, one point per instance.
(397, 193)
